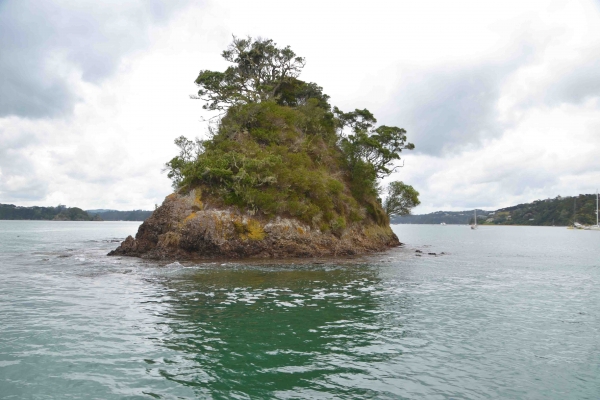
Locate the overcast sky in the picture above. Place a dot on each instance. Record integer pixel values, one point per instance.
(502, 101)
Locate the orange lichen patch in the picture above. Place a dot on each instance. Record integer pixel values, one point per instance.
(300, 231)
(218, 223)
(255, 230)
(198, 205)
(239, 226)
(170, 239)
(190, 217)
(250, 229)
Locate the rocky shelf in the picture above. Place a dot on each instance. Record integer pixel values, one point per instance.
(184, 228)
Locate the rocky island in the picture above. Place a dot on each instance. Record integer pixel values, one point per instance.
(282, 174)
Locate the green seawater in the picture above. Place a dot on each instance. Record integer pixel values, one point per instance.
(505, 313)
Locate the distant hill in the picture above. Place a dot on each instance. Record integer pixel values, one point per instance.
(558, 211)
(115, 215)
(447, 217)
(59, 213)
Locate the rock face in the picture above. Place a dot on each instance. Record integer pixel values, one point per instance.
(185, 228)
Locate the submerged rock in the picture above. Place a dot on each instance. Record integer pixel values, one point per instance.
(184, 228)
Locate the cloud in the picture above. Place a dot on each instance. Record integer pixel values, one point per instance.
(47, 47)
(20, 179)
(448, 109)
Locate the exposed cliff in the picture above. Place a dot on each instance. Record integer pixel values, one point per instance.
(185, 227)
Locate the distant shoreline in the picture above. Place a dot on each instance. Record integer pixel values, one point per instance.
(54, 220)
(494, 225)
(11, 212)
(559, 211)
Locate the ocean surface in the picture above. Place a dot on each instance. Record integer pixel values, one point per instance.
(504, 313)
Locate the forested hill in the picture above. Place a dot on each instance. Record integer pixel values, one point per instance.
(59, 213)
(114, 215)
(447, 217)
(558, 211)
(63, 213)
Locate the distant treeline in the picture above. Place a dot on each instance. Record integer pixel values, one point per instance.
(114, 215)
(447, 217)
(64, 213)
(59, 213)
(560, 211)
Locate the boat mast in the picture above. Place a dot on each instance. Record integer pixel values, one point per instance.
(596, 207)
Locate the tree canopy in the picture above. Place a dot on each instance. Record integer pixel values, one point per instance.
(377, 147)
(260, 69)
(279, 148)
(401, 199)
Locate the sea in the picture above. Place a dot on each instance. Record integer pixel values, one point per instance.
(493, 313)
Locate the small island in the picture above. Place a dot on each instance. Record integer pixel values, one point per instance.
(282, 174)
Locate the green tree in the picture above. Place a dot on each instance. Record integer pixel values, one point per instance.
(189, 151)
(259, 72)
(401, 199)
(378, 147)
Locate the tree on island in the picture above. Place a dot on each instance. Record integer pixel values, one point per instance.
(260, 72)
(279, 148)
(401, 199)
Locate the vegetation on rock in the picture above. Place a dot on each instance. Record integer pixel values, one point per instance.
(279, 148)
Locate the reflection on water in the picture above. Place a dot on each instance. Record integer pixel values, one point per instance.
(507, 313)
(273, 331)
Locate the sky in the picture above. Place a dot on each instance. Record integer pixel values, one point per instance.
(501, 99)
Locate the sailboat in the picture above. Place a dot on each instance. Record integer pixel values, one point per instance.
(474, 226)
(577, 225)
(595, 227)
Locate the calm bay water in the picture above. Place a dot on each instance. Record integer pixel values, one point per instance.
(507, 313)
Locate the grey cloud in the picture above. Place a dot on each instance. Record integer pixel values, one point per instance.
(445, 110)
(493, 195)
(577, 84)
(449, 109)
(18, 177)
(40, 42)
(524, 181)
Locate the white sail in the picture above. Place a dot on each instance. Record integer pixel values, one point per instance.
(474, 226)
(596, 227)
